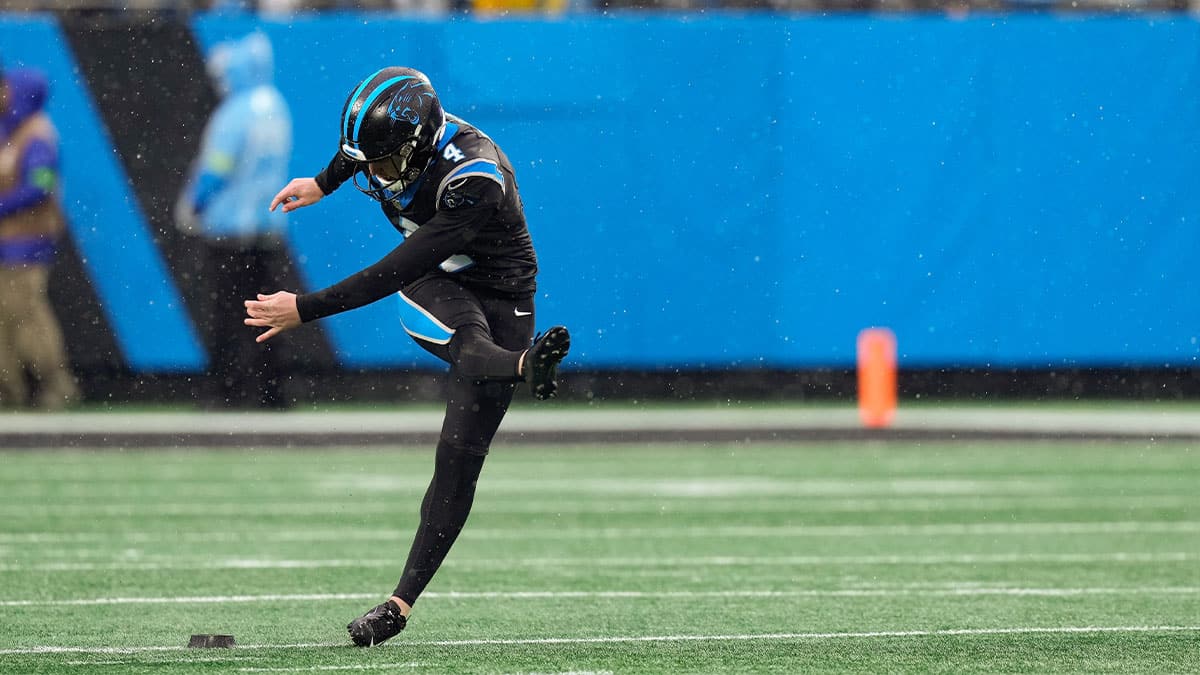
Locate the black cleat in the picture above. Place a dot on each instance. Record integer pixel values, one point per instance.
(542, 359)
(377, 625)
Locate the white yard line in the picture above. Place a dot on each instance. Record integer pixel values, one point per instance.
(630, 562)
(402, 644)
(226, 658)
(869, 531)
(336, 486)
(946, 559)
(744, 486)
(818, 636)
(315, 669)
(951, 590)
(678, 531)
(58, 649)
(740, 504)
(196, 599)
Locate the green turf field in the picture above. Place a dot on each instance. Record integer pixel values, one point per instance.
(880, 557)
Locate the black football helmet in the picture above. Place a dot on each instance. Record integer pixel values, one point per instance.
(393, 116)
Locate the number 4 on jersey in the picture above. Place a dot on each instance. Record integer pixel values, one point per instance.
(452, 152)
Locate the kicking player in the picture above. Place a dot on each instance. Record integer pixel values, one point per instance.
(465, 277)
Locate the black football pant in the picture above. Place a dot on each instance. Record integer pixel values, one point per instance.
(482, 337)
(241, 372)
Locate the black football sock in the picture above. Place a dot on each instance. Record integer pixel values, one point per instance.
(444, 511)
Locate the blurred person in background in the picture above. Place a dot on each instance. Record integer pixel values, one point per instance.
(31, 340)
(243, 155)
(465, 280)
(507, 7)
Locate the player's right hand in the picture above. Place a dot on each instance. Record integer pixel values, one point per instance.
(300, 192)
(276, 312)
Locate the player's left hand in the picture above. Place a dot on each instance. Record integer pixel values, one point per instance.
(298, 193)
(276, 311)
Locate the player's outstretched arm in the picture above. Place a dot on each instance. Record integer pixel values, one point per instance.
(276, 311)
(300, 192)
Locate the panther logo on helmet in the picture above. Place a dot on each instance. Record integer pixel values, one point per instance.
(405, 105)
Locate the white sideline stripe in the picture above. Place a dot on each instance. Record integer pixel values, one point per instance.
(631, 562)
(872, 531)
(952, 591)
(950, 632)
(1139, 420)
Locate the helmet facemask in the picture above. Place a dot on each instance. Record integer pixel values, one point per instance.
(386, 179)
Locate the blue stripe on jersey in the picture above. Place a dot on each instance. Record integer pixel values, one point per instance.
(479, 167)
(447, 135)
(421, 324)
(371, 100)
(346, 122)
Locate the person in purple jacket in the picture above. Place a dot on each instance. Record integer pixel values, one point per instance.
(31, 340)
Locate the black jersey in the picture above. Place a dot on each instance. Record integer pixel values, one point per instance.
(463, 215)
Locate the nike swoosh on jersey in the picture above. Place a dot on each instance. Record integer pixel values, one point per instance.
(517, 312)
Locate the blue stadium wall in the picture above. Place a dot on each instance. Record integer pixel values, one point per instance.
(738, 192)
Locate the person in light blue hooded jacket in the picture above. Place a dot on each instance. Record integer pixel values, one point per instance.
(244, 153)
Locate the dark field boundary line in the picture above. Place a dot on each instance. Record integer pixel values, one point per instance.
(301, 439)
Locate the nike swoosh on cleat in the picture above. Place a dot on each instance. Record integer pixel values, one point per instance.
(517, 312)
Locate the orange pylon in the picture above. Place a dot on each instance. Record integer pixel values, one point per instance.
(876, 377)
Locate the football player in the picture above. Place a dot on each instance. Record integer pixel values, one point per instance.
(465, 278)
